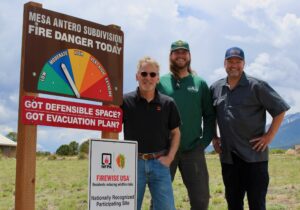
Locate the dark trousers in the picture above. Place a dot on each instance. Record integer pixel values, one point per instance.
(242, 177)
(194, 173)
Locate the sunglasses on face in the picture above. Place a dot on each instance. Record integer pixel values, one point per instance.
(145, 74)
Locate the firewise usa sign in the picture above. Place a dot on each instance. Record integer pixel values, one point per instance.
(112, 174)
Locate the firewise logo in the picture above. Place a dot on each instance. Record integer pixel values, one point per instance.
(121, 161)
(106, 160)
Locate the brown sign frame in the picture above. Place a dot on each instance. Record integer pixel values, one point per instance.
(52, 37)
(26, 148)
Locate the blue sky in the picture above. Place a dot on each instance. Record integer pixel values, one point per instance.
(267, 30)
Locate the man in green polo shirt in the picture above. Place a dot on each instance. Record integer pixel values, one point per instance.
(192, 97)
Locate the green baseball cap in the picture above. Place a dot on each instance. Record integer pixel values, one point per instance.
(180, 45)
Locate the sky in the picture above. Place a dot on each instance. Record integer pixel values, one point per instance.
(267, 30)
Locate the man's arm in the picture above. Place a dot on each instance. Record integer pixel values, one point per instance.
(261, 143)
(175, 140)
(209, 116)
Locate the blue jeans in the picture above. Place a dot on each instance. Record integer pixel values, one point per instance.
(158, 178)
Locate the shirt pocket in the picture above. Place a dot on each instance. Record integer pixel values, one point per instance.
(219, 105)
(219, 102)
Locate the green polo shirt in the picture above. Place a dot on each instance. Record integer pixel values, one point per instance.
(192, 97)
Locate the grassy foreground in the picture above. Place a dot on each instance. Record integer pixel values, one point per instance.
(62, 184)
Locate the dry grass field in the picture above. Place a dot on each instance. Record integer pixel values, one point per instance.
(62, 184)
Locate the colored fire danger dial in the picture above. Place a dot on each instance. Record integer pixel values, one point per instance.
(76, 73)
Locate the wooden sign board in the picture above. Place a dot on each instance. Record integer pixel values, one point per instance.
(68, 56)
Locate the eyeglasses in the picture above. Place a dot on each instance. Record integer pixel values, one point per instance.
(145, 74)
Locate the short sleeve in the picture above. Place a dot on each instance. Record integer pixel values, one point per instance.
(271, 100)
(174, 116)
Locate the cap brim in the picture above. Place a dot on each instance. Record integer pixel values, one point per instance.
(234, 56)
(178, 48)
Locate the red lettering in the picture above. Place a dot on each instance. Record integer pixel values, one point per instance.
(104, 178)
(124, 178)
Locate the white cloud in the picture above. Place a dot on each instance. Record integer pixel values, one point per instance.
(213, 8)
(7, 115)
(217, 74)
(40, 148)
(4, 129)
(288, 30)
(292, 97)
(272, 24)
(14, 98)
(276, 69)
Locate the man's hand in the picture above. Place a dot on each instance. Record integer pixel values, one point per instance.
(165, 160)
(261, 143)
(217, 145)
(175, 140)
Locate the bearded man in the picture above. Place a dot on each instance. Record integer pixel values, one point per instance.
(193, 99)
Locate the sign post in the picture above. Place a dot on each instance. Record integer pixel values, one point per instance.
(26, 148)
(71, 57)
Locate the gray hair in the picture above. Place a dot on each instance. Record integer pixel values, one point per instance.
(147, 60)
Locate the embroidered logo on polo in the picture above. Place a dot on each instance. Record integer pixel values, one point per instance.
(192, 89)
(158, 108)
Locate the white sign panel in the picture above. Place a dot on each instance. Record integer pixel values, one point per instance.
(112, 175)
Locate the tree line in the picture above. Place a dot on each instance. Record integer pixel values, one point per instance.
(73, 148)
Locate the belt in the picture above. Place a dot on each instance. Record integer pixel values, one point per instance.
(150, 156)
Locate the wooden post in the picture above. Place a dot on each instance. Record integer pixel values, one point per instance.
(26, 146)
(111, 135)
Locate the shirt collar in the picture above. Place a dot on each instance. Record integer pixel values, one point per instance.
(243, 81)
(156, 96)
(181, 79)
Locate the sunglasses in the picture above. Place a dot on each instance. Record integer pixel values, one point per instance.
(145, 74)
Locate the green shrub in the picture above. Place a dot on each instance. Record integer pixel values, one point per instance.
(68, 150)
(277, 151)
(52, 157)
(84, 147)
(63, 150)
(82, 156)
(73, 148)
(42, 154)
(213, 152)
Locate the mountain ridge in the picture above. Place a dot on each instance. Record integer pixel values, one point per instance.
(288, 134)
